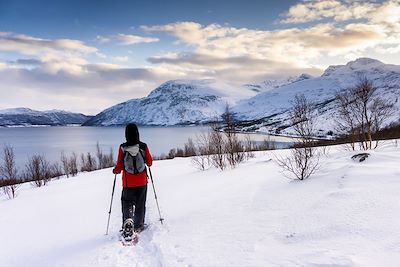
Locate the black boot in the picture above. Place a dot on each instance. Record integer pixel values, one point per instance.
(127, 229)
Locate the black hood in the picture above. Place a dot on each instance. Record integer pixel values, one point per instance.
(132, 134)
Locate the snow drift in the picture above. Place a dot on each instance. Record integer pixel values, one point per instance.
(347, 214)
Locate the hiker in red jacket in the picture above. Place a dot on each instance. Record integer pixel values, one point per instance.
(133, 156)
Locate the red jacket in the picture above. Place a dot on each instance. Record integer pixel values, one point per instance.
(129, 179)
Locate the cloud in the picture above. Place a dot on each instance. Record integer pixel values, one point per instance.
(74, 85)
(28, 45)
(233, 52)
(336, 31)
(126, 39)
(26, 62)
(342, 10)
(339, 10)
(60, 68)
(121, 58)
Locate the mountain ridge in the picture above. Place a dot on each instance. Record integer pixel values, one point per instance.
(28, 117)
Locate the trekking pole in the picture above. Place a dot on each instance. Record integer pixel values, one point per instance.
(112, 196)
(155, 195)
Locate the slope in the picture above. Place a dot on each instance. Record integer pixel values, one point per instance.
(346, 215)
(29, 117)
(271, 107)
(173, 102)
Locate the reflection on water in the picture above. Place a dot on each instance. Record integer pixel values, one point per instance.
(51, 141)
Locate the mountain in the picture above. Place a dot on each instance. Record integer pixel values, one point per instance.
(269, 110)
(261, 107)
(272, 84)
(176, 102)
(29, 117)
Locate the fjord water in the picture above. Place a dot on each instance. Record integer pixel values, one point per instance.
(51, 141)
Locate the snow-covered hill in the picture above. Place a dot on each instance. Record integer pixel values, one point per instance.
(264, 104)
(271, 107)
(29, 117)
(272, 84)
(174, 102)
(347, 214)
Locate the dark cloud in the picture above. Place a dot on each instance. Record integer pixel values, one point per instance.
(26, 62)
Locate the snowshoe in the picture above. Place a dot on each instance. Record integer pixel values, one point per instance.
(129, 237)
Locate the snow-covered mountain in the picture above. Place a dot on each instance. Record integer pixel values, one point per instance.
(29, 117)
(272, 84)
(172, 103)
(262, 106)
(270, 108)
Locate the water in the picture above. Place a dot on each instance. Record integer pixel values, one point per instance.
(51, 141)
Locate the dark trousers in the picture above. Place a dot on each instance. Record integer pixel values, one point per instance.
(133, 201)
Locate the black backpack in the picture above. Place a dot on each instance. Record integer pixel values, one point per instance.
(134, 162)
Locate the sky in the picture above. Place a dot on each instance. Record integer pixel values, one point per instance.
(85, 56)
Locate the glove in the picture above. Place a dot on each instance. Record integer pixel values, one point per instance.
(115, 171)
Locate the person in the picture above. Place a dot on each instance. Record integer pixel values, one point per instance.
(133, 155)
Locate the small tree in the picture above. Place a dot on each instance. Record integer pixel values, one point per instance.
(362, 112)
(302, 161)
(233, 147)
(73, 164)
(38, 170)
(100, 156)
(65, 165)
(249, 147)
(69, 164)
(88, 162)
(190, 148)
(202, 158)
(9, 173)
(217, 148)
(346, 120)
(104, 160)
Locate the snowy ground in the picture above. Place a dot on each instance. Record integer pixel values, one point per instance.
(346, 215)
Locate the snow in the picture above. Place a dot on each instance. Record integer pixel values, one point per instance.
(28, 117)
(321, 90)
(198, 101)
(347, 214)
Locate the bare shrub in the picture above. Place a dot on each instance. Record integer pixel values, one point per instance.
(88, 162)
(69, 164)
(362, 112)
(190, 148)
(73, 164)
(104, 160)
(180, 153)
(248, 147)
(56, 170)
(38, 171)
(9, 181)
(217, 148)
(64, 163)
(202, 159)
(266, 144)
(302, 161)
(300, 164)
(233, 147)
